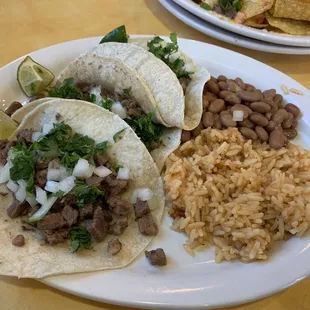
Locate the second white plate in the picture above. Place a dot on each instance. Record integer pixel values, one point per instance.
(229, 37)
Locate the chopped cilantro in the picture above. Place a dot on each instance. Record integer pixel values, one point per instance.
(80, 238)
(164, 51)
(119, 34)
(118, 135)
(80, 145)
(58, 194)
(146, 129)
(106, 103)
(230, 5)
(127, 92)
(86, 194)
(116, 167)
(101, 148)
(68, 90)
(205, 6)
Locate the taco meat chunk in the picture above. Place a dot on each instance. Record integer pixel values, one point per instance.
(156, 257)
(141, 208)
(5, 146)
(119, 226)
(41, 176)
(114, 246)
(97, 227)
(13, 107)
(87, 211)
(51, 222)
(25, 136)
(17, 208)
(147, 226)
(119, 205)
(70, 215)
(56, 236)
(19, 241)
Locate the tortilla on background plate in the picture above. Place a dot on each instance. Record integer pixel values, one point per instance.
(293, 9)
(36, 261)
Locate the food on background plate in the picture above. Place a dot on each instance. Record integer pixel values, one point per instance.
(77, 174)
(240, 196)
(156, 257)
(173, 79)
(284, 16)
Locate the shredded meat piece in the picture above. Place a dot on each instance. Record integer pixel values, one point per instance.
(101, 160)
(119, 226)
(87, 211)
(51, 222)
(141, 208)
(17, 208)
(119, 205)
(70, 215)
(24, 136)
(94, 181)
(132, 107)
(114, 246)
(114, 185)
(19, 241)
(41, 176)
(156, 257)
(147, 226)
(56, 236)
(5, 146)
(97, 227)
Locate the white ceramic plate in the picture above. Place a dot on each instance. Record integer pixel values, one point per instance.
(227, 36)
(226, 23)
(186, 282)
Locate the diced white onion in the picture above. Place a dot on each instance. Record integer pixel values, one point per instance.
(123, 173)
(63, 173)
(20, 194)
(36, 136)
(47, 127)
(53, 174)
(12, 186)
(43, 210)
(238, 116)
(173, 57)
(52, 186)
(67, 184)
(102, 171)
(118, 109)
(41, 195)
(5, 172)
(97, 92)
(188, 67)
(32, 201)
(83, 169)
(143, 194)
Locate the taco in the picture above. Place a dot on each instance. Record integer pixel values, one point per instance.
(76, 178)
(174, 80)
(114, 86)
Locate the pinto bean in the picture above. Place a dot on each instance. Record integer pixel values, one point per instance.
(222, 78)
(280, 116)
(249, 87)
(248, 133)
(233, 86)
(277, 99)
(276, 139)
(288, 122)
(262, 133)
(217, 122)
(294, 123)
(247, 123)
(223, 85)
(261, 107)
(240, 107)
(210, 96)
(196, 132)
(268, 115)
(290, 133)
(186, 136)
(229, 97)
(240, 83)
(213, 87)
(258, 119)
(269, 93)
(216, 106)
(249, 96)
(208, 119)
(292, 108)
(205, 102)
(227, 120)
(271, 126)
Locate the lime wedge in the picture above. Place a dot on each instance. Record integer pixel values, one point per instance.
(32, 77)
(7, 126)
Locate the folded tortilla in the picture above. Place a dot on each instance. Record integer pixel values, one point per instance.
(177, 108)
(293, 9)
(289, 26)
(36, 261)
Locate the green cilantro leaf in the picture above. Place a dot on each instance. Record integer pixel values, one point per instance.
(205, 6)
(101, 148)
(106, 103)
(118, 135)
(80, 238)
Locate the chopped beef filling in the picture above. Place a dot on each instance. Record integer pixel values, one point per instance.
(101, 160)
(5, 146)
(51, 222)
(70, 215)
(141, 208)
(119, 226)
(13, 107)
(114, 185)
(25, 136)
(94, 180)
(87, 211)
(56, 236)
(97, 227)
(114, 246)
(42, 164)
(147, 226)
(17, 208)
(156, 257)
(19, 241)
(41, 176)
(132, 107)
(119, 205)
